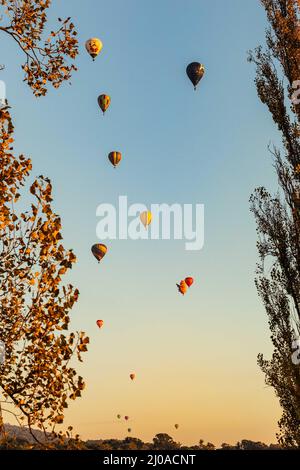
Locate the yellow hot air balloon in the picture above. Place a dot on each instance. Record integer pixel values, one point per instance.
(99, 251)
(93, 46)
(104, 102)
(146, 218)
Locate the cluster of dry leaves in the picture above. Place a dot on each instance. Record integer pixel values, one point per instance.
(45, 58)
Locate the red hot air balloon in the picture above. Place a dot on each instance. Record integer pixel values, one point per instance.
(100, 323)
(126, 418)
(189, 281)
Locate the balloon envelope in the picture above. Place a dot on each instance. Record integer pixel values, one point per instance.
(93, 47)
(189, 281)
(182, 287)
(100, 323)
(176, 426)
(132, 376)
(104, 102)
(115, 158)
(126, 418)
(99, 251)
(195, 72)
(146, 218)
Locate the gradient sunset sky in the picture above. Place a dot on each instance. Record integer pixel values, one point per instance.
(194, 356)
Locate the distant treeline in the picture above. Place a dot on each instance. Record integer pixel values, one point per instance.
(165, 442)
(20, 438)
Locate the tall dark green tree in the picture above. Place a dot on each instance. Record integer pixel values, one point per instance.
(278, 216)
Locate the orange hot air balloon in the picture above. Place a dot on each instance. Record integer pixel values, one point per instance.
(115, 158)
(176, 426)
(99, 251)
(104, 102)
(189, 281)
(182, 287)
(100, 323)
(132, 376)
(126, 418)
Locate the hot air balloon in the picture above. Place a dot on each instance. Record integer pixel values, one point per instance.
(182, 287)
(115, 158)
(132, 376)
(100, 323)
(99, 251)
(129, 429)
(126, 418)
(93, 46)
(176, 426)
(119, 416)
(104, 102)
(146, 218)
(195, 72)
(189, 281)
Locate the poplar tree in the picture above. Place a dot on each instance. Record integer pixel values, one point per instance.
(278, 215)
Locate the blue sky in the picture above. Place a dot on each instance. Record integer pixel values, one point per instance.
(208, 146)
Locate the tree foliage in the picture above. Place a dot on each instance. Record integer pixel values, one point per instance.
(278, 216)
(46, 58)
(36, 376)
(37, 379)
(164, 441)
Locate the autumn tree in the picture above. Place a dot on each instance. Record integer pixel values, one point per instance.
(37, 380)
(278, 216)
(34, 314)
(47, 56)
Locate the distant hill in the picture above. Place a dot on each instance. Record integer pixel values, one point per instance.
(23, 434)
